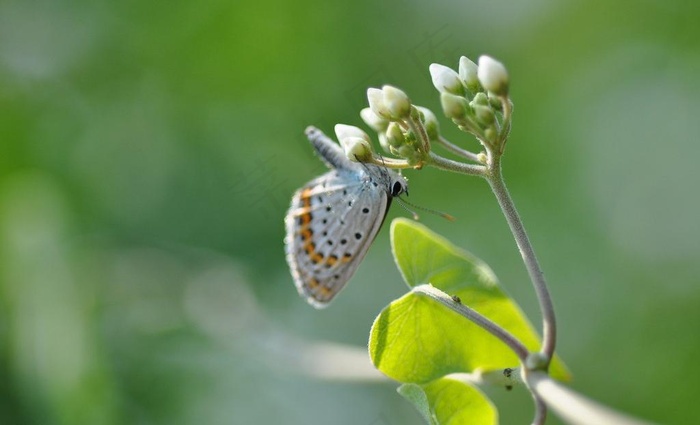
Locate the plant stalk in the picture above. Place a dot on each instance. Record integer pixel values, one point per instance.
(455, 166)
(457, 150)
(573, 408)
(475, 317)
(549, 325)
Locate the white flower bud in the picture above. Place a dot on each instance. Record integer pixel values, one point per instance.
(375, 97)
(343, 131)
(430, 122)
(491, 134)
(493, 75)
(394, 135)
(480, 99)
(396, 101)
(406, 152)
(454, 107)
(484, 115)
(495, 102)
(374, 121)
(357, 149)
(468, 73)
(445, 79)
(428, 115)
(383, 142)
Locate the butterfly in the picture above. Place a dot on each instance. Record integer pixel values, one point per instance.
(334, 218)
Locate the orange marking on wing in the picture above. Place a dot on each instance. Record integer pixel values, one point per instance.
(305, 193)
(313, 283)
(330, 262)
(306, 234)
(346, 257)
(305, 219)
(325, 291)
(309, 247)
(305, 211)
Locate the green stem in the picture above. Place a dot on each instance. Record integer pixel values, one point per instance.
(572, 407)
(419, 130)
(457, 150)
(513, 343)
(397, 164)
(507, 113)
(540, 410)
(549, 327)
(457, 167)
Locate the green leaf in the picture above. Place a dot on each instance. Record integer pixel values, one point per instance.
(416, 339)
(446, 401)
(419, 399)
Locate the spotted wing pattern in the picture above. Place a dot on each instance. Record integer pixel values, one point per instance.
(333, 220)
(330, 226)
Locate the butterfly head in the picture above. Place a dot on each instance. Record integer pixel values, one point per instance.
(394, 183)
(399, 186)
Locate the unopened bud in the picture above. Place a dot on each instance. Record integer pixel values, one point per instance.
(468, 73)
(491, 134)
(374, 121)
(375, 97)
(493, 75)
(395, 136)
(454, 107)
(495, 102)
(357, 149)
(484, 115)
(432, 127)
(343, 131)
(480, 99)
(407, 152)
(446, 80)
(396, 102)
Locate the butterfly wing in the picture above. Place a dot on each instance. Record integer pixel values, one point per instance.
(330, 226)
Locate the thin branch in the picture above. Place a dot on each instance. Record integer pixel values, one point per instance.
(549, 325)
(457, 150)
(507, 114)
(419, 130)
(573, 407)
(513, 343)
(540, 410)
(389, 162)
(457, 167)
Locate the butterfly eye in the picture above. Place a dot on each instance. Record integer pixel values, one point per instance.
(397, 189)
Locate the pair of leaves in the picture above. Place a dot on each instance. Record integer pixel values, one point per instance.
(417, 340)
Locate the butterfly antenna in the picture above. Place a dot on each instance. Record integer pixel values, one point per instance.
(405, 204)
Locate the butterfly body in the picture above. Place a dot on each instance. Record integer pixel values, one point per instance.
(333, 220)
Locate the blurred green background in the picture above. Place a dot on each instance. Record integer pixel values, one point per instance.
(148, 151)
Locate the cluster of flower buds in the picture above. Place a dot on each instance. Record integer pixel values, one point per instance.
(405, 130)
(474, 97)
